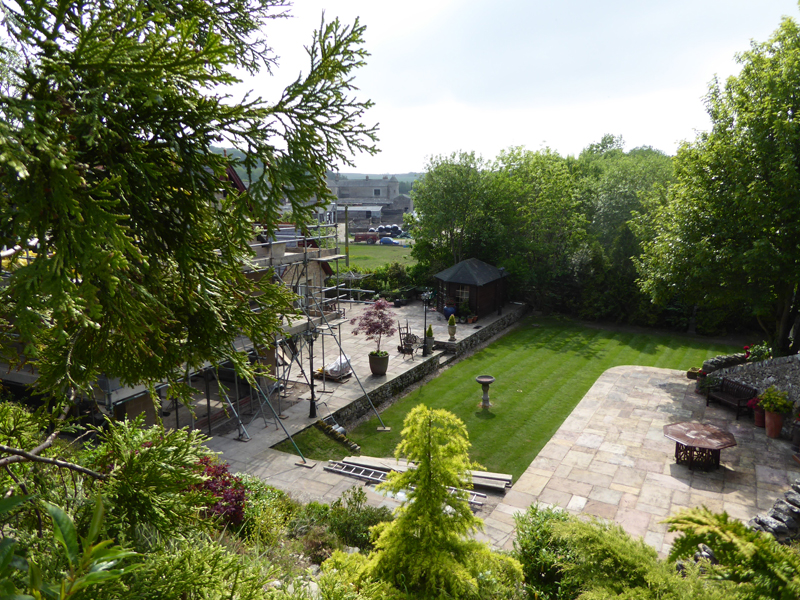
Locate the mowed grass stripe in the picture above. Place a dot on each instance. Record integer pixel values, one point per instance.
(554, 365)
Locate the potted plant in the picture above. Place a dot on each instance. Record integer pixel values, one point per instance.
(398, 301)
(449, 307)
(698, 381)
(429, 339)
(463, 312)
(758, 412)
(451, 328)
(775, 403)
(376, 322)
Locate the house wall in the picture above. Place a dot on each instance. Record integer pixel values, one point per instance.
(375, 189)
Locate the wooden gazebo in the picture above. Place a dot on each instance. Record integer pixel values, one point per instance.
(481, 285)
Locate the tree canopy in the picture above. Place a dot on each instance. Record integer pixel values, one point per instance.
(108, 117)
(730, 228)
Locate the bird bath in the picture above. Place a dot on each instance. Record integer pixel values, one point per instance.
(485, 381)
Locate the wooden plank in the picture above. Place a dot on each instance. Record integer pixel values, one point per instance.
(498, 481)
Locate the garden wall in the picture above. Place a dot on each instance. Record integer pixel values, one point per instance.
(513, 313)
(783, 373)
(360, 407)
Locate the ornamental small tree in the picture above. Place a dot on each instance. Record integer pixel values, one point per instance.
(376, 322)
(427, 548)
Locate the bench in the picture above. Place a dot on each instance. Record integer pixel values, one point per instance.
(734, 394)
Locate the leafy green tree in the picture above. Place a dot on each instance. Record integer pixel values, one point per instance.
(539, 224)
(451, 201)
(426, 548)
(730, 228)
(614, 187)
(106, 160)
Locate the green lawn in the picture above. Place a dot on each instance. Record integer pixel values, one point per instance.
(372, 256)
(541, 374)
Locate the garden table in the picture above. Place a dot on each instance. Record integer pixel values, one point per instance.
(698, 444)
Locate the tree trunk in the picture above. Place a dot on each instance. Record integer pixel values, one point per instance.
(788, 308)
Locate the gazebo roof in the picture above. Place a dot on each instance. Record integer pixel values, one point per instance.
(471, 272)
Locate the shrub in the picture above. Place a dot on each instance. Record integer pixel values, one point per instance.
(225, 491)
(346, 577)
(761, 566)
(151, 472)
(310, 515)
(267, 512)
(318, 544)
(350, 518)
(542, 555)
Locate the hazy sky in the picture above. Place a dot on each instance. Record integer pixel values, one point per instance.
(449, 75)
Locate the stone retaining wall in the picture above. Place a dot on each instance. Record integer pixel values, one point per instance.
(783, 373)
(783, 519)
(360, 407)
(513, 313)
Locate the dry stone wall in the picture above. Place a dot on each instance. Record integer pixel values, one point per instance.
(783, 373)
(361, 406)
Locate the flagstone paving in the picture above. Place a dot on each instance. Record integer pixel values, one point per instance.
(609, 459)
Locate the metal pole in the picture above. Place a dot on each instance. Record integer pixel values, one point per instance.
(208, 399)
(312, 410)
(424, 324)
(346, 237)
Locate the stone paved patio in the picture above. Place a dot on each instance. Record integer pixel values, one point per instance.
(610, 460)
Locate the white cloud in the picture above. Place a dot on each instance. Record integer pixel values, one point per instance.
(480, 75)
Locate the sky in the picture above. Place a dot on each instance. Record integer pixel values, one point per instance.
(482, 76)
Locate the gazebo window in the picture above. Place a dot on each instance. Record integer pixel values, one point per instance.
(462, 294)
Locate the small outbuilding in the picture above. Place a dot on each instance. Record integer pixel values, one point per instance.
(481, 285)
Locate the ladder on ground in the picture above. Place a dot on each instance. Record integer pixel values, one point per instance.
(378, 476)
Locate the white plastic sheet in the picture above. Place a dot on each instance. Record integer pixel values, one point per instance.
(339, 367)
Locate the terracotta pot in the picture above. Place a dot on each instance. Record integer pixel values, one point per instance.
(758, 416)
(698, 380)
(378, 364)
(773, 423)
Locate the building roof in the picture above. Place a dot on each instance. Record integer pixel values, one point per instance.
(471, 272)
(357, 207)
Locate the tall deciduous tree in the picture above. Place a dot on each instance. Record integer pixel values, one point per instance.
(106, 160)
(451, 201)
(731, 227)
(542, 225)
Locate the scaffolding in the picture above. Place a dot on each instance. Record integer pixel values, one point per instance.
(303, 262)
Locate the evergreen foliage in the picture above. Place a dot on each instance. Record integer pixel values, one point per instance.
(106, 160)
(754, 559)
(564, 558)
(150, 474)
(426, 548)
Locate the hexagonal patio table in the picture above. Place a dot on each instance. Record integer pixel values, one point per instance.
(698, 444)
